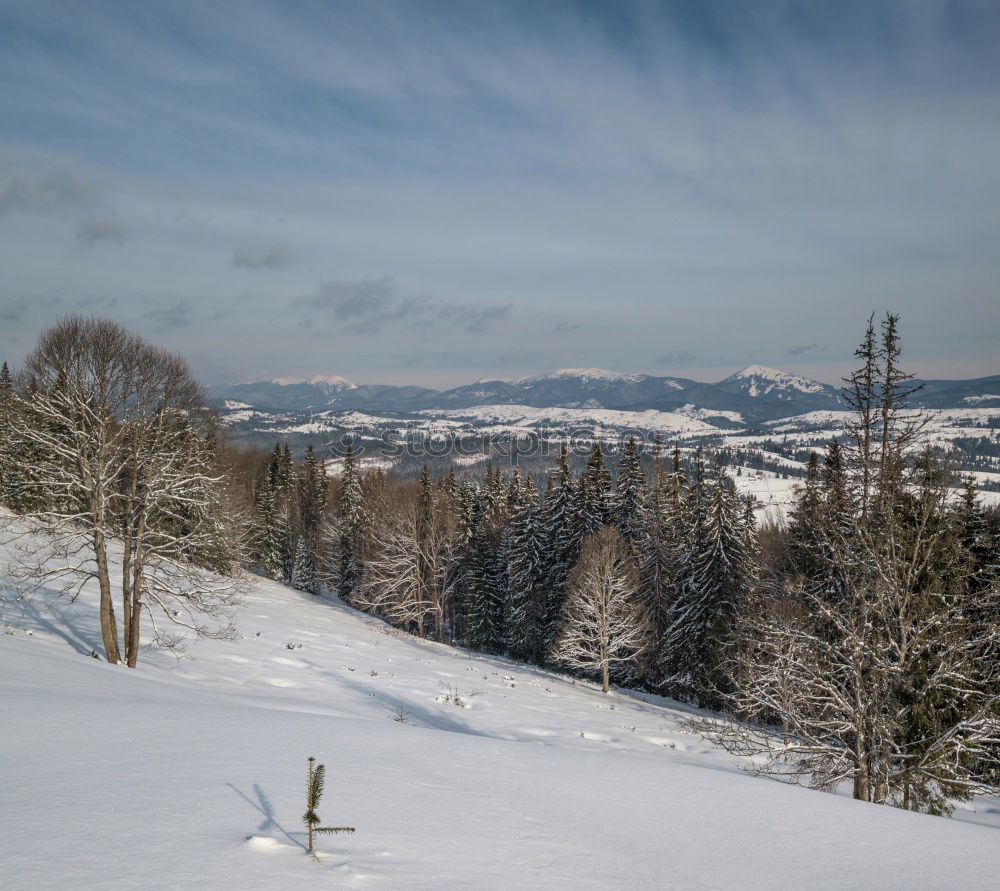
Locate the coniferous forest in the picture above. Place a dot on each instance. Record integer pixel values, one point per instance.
(859, 643)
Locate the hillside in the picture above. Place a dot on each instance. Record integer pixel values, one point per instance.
(189, 773)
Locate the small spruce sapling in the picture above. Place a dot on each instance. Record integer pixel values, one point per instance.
(314, 792)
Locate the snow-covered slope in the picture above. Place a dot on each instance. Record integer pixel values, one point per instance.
(757, 381)
(584, 376)
(331, 383)
(511, 418)
(189, 773)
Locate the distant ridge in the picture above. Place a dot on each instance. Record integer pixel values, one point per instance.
(757, 392)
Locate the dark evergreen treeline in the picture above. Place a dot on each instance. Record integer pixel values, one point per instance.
(487, 563)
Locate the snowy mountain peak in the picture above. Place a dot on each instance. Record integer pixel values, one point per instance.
(588, 374)
(760, 380)
(333, 382)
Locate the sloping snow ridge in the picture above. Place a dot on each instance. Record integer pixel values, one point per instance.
(508, 418)
(330, 382)
(586, 375)
(759, 380)
(190, 773)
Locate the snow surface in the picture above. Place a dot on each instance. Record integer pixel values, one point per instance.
(937, 419)
(333, 382)
(690, 410)
(190, 773)
(584, 374)
(761, 380)
(512, 417)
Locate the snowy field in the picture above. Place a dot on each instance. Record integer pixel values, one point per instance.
(190, 773)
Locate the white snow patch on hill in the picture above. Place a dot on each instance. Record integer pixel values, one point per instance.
(526, 416)
(690, 410)
(586, 375)
(190, 773)
(332, 382)
(759, 380)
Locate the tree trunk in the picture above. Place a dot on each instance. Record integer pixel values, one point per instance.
(605, 679)
(109, 627)
(862, 787)
(132, 630)
(126, 591)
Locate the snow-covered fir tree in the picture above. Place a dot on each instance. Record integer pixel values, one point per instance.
(715, 588)
(526, 574)
(661, 552)
(628, 514)
(484, 595)
(352, 524)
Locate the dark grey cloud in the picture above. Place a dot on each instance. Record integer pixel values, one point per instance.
(801, 349)
(675, 357)
(13, 310)
(53, 191)
(96, 228)
(352, 300)
(277, 256)
(172, 316)
(363, 307)
(567, 327)
(474, 318)
(369, 305)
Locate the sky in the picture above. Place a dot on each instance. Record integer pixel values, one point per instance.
(436, 192)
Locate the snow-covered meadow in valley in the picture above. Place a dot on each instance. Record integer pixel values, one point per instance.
(190, 772)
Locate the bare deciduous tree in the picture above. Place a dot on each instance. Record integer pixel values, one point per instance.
(602, 625)
(123, 443)
(408, 573)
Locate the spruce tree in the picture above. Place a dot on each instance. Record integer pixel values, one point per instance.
(484, 593)
(598, 488)
(659, 554)
(715, 590)
(561, 543)
(281, 480)
(352, 525)
(268, 538)
(628, 513)
(526, 582)
(7, 458)
(313, 490)
(805, 521)
(425, 501)
(589, 509)
(305, 576)
(315, 783)
(21, 488)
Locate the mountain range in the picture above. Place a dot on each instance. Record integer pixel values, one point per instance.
(757, 392)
